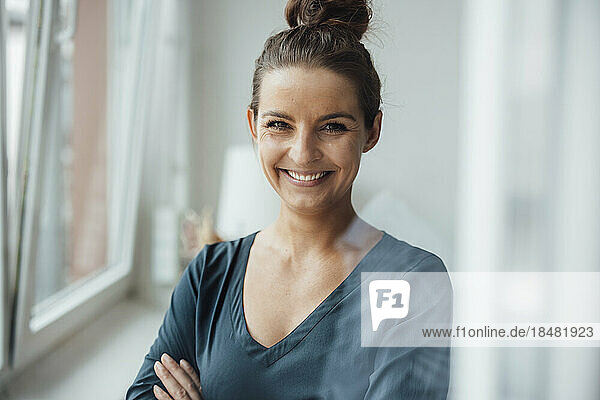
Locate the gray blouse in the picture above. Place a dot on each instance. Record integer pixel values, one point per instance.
(321, 358)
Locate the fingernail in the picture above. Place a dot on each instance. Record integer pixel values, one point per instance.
(166, 358)
(157, 390)
(159, 366)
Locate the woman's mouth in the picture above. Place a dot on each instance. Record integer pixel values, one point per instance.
(311, 178)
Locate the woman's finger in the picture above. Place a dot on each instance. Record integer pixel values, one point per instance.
(187, 367)
(160, 394)
(176, 391)
(182, 377)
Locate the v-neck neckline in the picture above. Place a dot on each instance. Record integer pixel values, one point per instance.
(269, 355)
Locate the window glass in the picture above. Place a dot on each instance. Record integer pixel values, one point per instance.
(72, 230)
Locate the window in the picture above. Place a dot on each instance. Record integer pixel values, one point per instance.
(74, 164)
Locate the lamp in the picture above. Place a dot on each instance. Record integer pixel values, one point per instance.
(247, 202)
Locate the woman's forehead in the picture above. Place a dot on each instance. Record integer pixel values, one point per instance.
(315, 91)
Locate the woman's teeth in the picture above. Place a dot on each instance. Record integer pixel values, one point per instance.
(312, 177)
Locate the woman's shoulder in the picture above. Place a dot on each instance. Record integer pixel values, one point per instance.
(404, 256)
(219, 256)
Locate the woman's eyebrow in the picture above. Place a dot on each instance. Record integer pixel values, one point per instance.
(279, 114)
(276, 114)
(337, 115)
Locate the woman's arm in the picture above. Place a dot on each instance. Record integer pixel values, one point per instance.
(176, 335)
(421, 373)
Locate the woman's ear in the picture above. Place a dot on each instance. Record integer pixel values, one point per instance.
(250, 117)
(373, 132)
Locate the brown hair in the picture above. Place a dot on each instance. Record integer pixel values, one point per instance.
(324, 34)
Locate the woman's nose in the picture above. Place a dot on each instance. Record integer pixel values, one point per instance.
(305, 146)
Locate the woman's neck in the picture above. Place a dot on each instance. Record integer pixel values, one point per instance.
(317, 233)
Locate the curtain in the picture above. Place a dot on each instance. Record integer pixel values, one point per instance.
(165, 165)
(529, 176)
(131, 72)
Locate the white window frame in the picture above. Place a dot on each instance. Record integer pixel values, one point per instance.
(34, 335)
(4, 314)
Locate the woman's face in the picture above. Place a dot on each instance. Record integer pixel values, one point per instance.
(310, 135)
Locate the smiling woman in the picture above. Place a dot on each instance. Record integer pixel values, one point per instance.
(277, 314)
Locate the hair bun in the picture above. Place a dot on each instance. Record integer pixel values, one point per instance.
(354, 14)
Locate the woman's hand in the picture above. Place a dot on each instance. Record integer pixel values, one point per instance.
(181, 380)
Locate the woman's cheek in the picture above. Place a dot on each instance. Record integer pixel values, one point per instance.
(268, 147)
(347, 153)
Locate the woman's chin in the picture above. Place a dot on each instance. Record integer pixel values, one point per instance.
(307, 206)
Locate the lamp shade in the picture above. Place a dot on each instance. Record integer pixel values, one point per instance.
(247, 201)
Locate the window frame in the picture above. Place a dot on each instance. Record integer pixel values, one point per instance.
(4, 310)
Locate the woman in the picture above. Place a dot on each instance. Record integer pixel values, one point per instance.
(276, 314)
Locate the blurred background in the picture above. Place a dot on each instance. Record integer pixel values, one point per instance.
(125, 149)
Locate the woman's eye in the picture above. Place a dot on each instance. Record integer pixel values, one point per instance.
(335, 127)
(277, 125)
